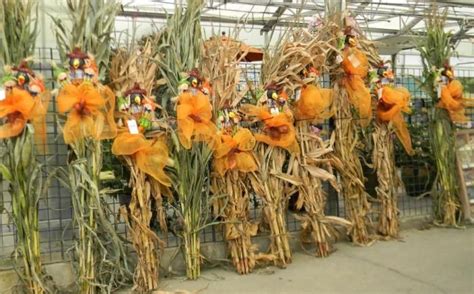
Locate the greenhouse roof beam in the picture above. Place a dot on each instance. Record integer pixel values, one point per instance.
(276, 15)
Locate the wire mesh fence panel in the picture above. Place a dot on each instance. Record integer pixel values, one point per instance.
(57, 233)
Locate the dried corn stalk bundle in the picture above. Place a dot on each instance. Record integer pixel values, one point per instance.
(269, 183)
(347, 142)
(384, 163)
(435, 51)
(220, 63)
(130, 70)
(311, 165)
(352, 109)
(133, 65)
(385, 127)
(146, 194)
(233, 210)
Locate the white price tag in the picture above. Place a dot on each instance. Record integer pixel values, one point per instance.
(439, 90)
(379, 92)
(354, 60)
(132, 126)
(2, 94)
(338, 59)
(274, 111)
(297, 94)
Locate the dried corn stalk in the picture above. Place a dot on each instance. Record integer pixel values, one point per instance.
(347, 145)
(220, 63)
(128, 68)
(383, 160)
(384, 163)
(352, 178)
(312, 165)
(146, 194)
(269, 183)
(435, 50)
(134, 65)
(233, 209)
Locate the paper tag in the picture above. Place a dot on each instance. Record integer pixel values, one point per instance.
(338, 59)
(379, 92)
(354, 60)
(2, 94)
(439, 90)
(274, 110)
(132, 126)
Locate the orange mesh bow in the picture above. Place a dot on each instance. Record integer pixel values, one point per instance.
(314, 103)
(394, 101)
(278, 131)
(234, 153)
(452, 101)
(355, 65)
(91, 112)
(194, 120)
(19, 107)
(150, 156)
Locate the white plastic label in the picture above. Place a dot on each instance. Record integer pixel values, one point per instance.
(338, 59)
(132, 126)
(354, 60)
(379, 93)
(439, 90)
(2, 94)
(297, 94)
(274, 111)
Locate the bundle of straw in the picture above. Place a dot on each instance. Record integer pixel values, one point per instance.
(435, 50)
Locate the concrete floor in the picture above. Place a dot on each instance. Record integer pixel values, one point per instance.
(428, 261)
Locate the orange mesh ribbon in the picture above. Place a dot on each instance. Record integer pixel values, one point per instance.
(19, 107)
(150, 156)
(235, 153)
(314, 103)
(394, 101)
(452, 101)
(90, 112)
(278, 130)
(194, 116)
(355, 65)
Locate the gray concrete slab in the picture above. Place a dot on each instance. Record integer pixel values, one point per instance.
(425, 261)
